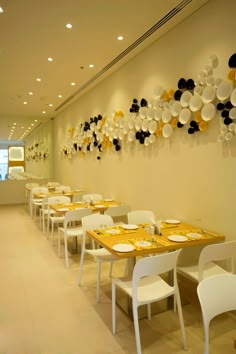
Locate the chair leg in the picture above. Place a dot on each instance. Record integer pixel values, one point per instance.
(98, 279)
(66, 252)
(206, 336)
(59, 242)
(136, 329)
(181, 320)
(52, 232)
(111, 267)
(81, 261)
(149, 313)
(113, 299)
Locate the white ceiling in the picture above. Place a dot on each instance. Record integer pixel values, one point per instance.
(31, 31)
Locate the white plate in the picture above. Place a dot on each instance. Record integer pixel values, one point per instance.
(172, 221)
(99, 206)
(194, 235)
(130, 227)
(143, 243)
(108, 200)
(113, 231)
(123, 247)
(63, 209)
(178, 238)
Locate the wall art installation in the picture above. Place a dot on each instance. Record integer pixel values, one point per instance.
(191, 106)
(38, 151)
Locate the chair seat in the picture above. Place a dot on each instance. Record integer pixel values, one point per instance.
(102, 254)
(57, 218)
(210, 269)
(73, 231)
(148, 287)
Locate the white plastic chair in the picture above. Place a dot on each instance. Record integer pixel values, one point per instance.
(62, 188)
(28, 187)
(70, 230)
(55, 218)
(141, 217)
(100, 255)
(92, 197)
(117, 212)
(36, 202)
(206, 265)
(147, 287)
(217, 295)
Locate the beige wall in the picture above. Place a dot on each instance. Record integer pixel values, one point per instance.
(191, 178)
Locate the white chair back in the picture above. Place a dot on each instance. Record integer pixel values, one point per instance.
(217, 294)
(92, 197)
(31, 185)
(62, 189)
(58, 199)
(75, 215)
(117, 210)
(216, 252)
(95, 221)
(141, 217)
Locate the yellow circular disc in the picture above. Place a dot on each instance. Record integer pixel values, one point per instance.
(161, 124)
(203, 126)
(171, 93)
(158, 132)
(174, 122)
(198, 117)
(231, 74)
(165, 96)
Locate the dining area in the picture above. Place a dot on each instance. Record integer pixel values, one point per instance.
(100, 243)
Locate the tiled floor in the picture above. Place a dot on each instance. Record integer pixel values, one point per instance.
(43, 311)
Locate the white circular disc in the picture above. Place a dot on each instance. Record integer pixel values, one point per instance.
(166, 115)
(197, 90)
(152, 127)
(224, 90)
(233, 97)
(138, 123)
(232, 127)
(150, 113)
(143, 112)
(184, 116)
(195, 103)
(152, 138)
(158, 113)
(228, 136)
(185, 98)
(175, 108)
(167, 131)
(221, 138)
(232, 113)
(146, 141)
(131, 135)
(208, 111)
(145, 125)
(208, 94)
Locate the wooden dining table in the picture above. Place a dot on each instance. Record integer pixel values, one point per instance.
(41, 195)
(98, 206)
(138, 242)
(144, 243)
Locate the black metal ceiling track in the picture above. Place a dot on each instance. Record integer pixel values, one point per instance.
(129, 49)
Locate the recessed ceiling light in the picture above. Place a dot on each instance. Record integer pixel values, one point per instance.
(50, 59)
(14, 123)
(35, 120)
(39, 79)
(59, 96)
(30, 93)
(91, 65)
(22, 127)
(1, 10)
(43, 112)
(120, 38)
(25, 102)
(50, 105)
(73, 84)
(68, 25)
